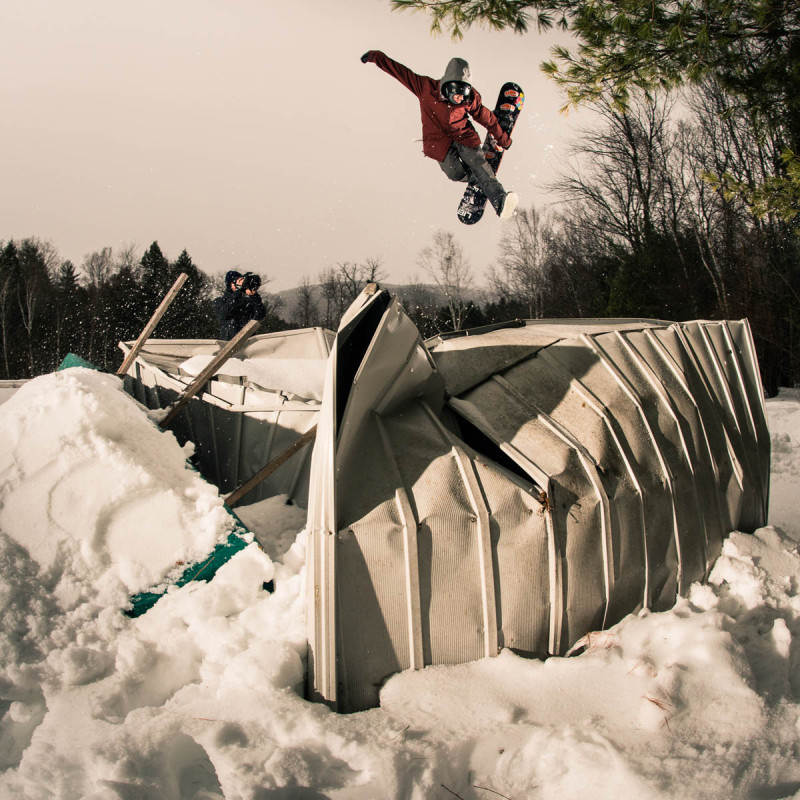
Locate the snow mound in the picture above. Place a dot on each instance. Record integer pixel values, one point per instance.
(201, 697)
(93, 490)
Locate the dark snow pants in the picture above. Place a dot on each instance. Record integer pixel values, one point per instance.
(462, 163)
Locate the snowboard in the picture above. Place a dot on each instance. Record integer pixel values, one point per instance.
(509, 104)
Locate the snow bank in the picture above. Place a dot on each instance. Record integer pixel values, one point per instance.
(199, 698)
(784, 422)
(89, 482)
(8, 389)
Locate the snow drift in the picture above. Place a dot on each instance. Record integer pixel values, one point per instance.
(200, 697)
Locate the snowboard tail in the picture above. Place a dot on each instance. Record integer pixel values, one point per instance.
(507, 109)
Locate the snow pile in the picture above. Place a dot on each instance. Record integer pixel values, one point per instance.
(9, 388)
(784, 420)
(302, 377)
(200, 698)
(88, 482)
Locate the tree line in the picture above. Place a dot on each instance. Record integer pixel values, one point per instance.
(645, 221)
(695, 214)
(645, 228)
(49, 308)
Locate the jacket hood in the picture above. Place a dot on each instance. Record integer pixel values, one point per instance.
(230, 276)
(457, 70)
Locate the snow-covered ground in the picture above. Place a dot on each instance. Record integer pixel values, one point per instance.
(200, 697)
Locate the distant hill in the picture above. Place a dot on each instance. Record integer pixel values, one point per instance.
(425, 292)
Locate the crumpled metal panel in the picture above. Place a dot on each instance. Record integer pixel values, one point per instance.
(665, 423)
(518, 487)
(435, 554)
(412, 534)
(237, 426)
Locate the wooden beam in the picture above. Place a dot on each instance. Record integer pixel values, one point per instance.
(151, 325)
(205, 376)
(235, 496)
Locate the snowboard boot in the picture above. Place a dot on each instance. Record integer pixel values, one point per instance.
(508, 205)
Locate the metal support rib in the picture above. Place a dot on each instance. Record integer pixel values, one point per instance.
(410, 552)
(483, 533)
(590, 467)
(484, 536)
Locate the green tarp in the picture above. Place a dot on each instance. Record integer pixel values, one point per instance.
(199, 571)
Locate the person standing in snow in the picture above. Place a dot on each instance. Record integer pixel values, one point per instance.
(447, 133)
(239, 303)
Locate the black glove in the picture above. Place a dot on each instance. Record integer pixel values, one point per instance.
(365, 57)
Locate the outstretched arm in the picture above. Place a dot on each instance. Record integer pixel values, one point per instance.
(409, 79)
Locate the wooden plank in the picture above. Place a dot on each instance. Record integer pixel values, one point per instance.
(202, 379)
(151, 325)
(237, 494)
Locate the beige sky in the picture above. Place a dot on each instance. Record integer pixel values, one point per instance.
(247, 132)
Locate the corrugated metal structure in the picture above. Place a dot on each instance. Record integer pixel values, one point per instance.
(518, 487)
(247, 414)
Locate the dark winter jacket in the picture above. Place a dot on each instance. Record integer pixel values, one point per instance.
(443, 123)
(235, 309)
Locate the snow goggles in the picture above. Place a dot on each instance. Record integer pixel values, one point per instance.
(454, 89)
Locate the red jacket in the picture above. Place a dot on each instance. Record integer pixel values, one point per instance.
(442, 123)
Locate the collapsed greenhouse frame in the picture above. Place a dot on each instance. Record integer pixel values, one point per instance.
(512, 487)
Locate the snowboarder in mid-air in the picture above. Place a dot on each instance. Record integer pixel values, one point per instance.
(447, 133)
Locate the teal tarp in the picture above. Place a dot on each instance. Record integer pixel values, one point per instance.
(203, 570)
(71, 360)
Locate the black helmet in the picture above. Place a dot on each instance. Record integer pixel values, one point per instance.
(453, 88)
(231, 276)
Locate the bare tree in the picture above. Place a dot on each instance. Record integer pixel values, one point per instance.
(574, 261)
(522, 271)
(353, 277)
(449, 269)
(98, 267)
(619, 172)
(306, 312)
(373, 271)
(342, 284)
(633, 186)
(126, 258)
(421, 305)
(332, 297)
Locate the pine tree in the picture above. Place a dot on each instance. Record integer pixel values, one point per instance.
(155, 283)
(32, 291)
(189, 316)
(65, 319)
(120, 298)
(11, 329)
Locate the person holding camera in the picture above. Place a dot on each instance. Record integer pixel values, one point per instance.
(239, 303)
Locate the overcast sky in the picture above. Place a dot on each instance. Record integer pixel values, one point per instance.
(248, 132)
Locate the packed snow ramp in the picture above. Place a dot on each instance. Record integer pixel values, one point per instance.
(518, 487)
